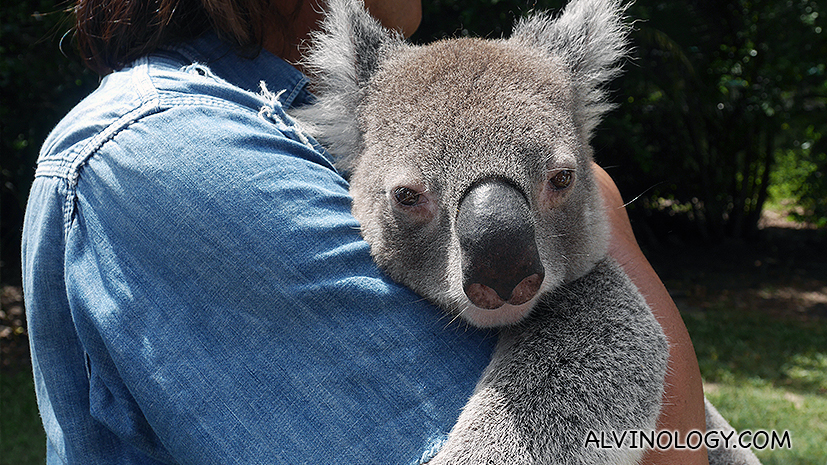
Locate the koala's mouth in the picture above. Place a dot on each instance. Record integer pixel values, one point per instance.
(488, 298)
(504, 315)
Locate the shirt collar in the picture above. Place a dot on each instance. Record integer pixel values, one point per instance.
(247, 72)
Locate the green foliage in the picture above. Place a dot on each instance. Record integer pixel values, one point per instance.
(718, 90)
(799, 175)
(39, 83)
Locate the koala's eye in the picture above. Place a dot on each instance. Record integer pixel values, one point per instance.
(562, 179)
(406, 196)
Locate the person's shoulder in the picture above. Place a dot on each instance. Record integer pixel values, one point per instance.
(165, 101)
(145, 87)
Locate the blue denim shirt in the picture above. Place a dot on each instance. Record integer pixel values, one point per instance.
(198, 292)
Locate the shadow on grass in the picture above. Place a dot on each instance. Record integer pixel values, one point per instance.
(753, 348)
(756, 310)
(757, 315)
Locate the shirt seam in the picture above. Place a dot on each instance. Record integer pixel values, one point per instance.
(69, 165)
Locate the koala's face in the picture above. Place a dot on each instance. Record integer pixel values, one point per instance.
(474, 185)
(469, 160)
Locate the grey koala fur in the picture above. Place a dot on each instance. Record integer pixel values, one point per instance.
(469, 162)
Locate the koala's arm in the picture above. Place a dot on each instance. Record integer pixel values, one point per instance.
(683, 400)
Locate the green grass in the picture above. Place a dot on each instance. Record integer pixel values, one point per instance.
(768, 374)
(22, 440)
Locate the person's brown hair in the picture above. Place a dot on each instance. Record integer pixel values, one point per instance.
(112, 33)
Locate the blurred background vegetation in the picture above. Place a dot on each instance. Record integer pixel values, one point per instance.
(41, 79)
(721, 118)
(722, 109)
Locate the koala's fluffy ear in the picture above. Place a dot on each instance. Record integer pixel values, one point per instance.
(344, 54)
(590, 36)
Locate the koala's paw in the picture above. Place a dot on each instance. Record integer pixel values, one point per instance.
(486, 433)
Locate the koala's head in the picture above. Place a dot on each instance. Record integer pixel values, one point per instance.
(469, 160)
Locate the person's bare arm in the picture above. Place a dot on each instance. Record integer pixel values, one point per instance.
(683, 405)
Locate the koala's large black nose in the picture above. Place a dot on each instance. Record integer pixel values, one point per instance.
(500, 262)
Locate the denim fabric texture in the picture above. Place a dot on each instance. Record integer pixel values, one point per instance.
(197, 291)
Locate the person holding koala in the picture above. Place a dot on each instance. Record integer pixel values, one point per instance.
(196, 288)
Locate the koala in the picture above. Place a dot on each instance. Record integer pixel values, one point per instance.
(470, 170)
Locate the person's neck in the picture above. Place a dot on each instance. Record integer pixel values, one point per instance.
(287, 44)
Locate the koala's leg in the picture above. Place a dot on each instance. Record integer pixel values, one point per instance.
(589, 362)
(725, 455)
